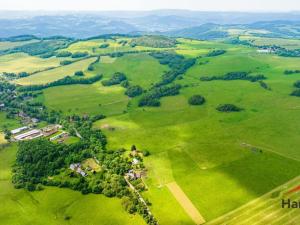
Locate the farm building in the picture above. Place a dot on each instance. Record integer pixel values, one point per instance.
(265, 51)
(49, 130)
(18, 130)
(29, 135)
(63, 134)
(77, 168)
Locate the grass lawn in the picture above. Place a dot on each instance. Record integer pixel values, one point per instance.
(52, 205)
(86, 99)
(8, 123)
(21, 62)
(56, 74)
(4, 45)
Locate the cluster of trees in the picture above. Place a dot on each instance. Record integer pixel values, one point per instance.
(235, 76)
(117, 78)
(134, 90)
(228, 108)
(79, 54)
(288, 52)
(216, 53)
(63, 54)
(154, 42)
(65, 62)
(177, 63)
(79, 73)
(196, 100)
(43, 48)
(151, 98)
(296, 92)
(15, 75)
(123, 42)
(64, 81)
(105, 45)
(288, 72)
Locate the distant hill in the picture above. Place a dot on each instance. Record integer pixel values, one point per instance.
(204, 25)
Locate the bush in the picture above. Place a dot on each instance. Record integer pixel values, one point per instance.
(79, 54)
(79, 73)
(228, 108)
(216, 53)
(296, 93)
(63, 54)
(106, 45)
(65, 62)
(196, 100)
(297, 84)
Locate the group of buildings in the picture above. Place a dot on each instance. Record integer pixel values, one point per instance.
(26, 133)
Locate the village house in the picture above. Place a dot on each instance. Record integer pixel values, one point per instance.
(77, 168)
(49, 130)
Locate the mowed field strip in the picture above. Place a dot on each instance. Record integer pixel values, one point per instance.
(266, 209)
(186, 203)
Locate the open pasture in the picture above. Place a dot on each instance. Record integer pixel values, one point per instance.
(21, 62)
(86, 99)
(56, 73)
(140, 69)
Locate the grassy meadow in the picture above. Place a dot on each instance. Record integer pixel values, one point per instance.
(86, 99)
(220, 160)
(21, 62)
(140, 69)
(56, 73)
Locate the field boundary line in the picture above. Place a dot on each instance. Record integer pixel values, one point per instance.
(185, 203)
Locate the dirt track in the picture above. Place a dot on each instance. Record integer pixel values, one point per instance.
(186, 203)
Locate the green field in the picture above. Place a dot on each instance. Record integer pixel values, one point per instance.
(140, 69)
(21, 62)
(86, 99)
(56, 73)
(52, 205)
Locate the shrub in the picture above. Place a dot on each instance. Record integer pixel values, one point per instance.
(63, 54)
(196, 100)
(297, 84)
(296, 93)
(228, 108)
(65, 62)
(106, 45)
(79, 54)
(79, 73)
(216, 53)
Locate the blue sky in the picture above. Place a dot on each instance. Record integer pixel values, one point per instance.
(203, 5)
